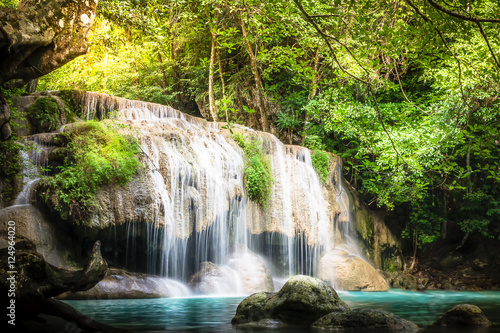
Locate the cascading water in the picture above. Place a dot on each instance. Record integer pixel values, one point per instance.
(202, 214)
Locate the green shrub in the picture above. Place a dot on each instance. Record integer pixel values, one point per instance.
(257, 171)
(96, 156)
(44, 114)
(321, 163)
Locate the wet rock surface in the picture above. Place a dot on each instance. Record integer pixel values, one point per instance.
(463, 315)
(120, 284)
(364, 319)
(350, 272)
(301, 301)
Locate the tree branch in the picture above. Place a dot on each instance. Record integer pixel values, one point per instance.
(488, 43)
(370, 88)
(460, 16)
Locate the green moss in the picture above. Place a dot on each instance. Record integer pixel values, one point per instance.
(10, 164)
(321, 163)
(96, 155)
(257, 172)
(73, 106)
(44, 114)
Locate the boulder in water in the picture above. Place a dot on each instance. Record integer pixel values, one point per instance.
(212, 279)
(463, 315)
(253, 273)
(301, 301)
(350, 272)
(120, 284)
(364, 319)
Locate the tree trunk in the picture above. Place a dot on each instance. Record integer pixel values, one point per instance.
(221, 74)
(37, 281)
(415, 246)
(258, 82)
(211, 97)
(164, 81)
(314, 90)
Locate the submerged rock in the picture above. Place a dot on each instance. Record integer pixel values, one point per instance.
(301, 301)
(463, 315)
(350, 272)
(364, 319)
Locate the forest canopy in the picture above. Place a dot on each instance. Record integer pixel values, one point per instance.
(406, 92)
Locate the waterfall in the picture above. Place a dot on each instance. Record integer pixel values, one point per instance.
(202, 213)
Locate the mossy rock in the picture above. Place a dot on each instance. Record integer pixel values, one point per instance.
(365, 319)
(463, 315)
(301, 301)
(44, 114)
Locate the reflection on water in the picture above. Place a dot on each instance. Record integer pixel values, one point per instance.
(213, 314)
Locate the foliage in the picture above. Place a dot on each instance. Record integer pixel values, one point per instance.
(10, 162)
(257, 172)
(43, 114)
(405, 93)
(95, 156)
(13, 4)
(424, 223)
(321, 163)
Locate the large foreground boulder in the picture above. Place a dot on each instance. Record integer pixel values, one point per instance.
(364, 319)
(463, 315)
(349, 272)
(301, 301)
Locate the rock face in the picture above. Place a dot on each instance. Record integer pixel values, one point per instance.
(364, 319)
(301, 301)
(402, 280)
(350, 272)
(380, 242)
(463, 315)
(120, 284)
(31, 225)
(451, 260)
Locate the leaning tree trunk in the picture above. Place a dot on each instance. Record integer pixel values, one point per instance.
(37, 281)
(37, 38)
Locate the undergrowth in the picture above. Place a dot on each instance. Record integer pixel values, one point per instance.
(321, 163)
(95, 156)
(257, 171)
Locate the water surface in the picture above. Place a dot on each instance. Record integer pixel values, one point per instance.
(214, 314)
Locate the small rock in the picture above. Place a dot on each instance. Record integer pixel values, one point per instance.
(463, 315)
